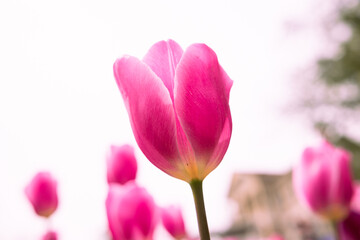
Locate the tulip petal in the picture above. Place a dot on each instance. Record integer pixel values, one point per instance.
(221, 147)
(150, 111)
(355, 200)
(202, 102)
(163, 58)
(317, 188)
(344, 191)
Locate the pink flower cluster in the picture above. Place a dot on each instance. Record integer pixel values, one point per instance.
(323, 181)
(131, 211)
(178, 106)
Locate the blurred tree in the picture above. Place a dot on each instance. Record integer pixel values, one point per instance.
(334, 100)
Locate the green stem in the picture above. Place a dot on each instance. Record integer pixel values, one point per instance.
(196, 187)
(336, 230)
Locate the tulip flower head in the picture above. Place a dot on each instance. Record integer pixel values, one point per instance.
(178, 105)
(275, 237)
(173, 221)
(323, 181)
(42, 193)
(131, 212)
(121, 164)
(50, 235)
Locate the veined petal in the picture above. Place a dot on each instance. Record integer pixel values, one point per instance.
(221, 147)
(150, 111)
(202, 102)
(163, 58)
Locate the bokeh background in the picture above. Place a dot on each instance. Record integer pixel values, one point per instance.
(295, 66)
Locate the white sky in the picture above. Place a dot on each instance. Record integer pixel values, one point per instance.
(60, 108)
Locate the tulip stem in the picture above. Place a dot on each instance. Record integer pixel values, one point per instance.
(336, 230)
(196, 187)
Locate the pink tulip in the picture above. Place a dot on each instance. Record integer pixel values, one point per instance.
(50, 235)
(121, 164)
(323, 181)
(173, 221)
(42, 193)
(355, 201)
(275, 237)
(178, 105)
(131, 212)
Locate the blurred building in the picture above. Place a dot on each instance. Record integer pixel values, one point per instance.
(266, 205)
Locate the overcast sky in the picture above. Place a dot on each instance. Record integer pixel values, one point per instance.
(60, 108)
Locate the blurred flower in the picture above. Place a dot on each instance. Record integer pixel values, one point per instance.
(121, 164)
(355, 200)
(173, 221)
(42, 193)
(349, 229)
(275, 237)
(50, 235)
(131, 212)
(178, 105)
(323, 181)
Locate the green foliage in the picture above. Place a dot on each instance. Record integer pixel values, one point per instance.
(344, 69)
(353, 147)
(346, 66)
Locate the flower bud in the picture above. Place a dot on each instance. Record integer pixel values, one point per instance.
(50, 235)
(323, 181)
(121, 164)
(131, 212)
(42, 193)
(173, 221)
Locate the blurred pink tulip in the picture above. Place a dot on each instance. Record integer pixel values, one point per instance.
(50, 235)
(349, 229)
(121, 164)
(355, 201)
(178, 105)
(323, 181)
(42, 193)
(173, 221)
(131, 212)
(275, 237)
